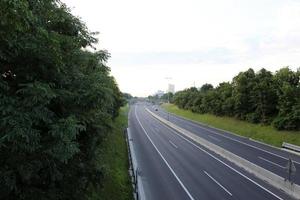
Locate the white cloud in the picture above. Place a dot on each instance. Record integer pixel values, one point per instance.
(191, 40)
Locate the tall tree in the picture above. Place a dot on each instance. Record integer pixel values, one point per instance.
(264, 97)
(226, 100)
(288, 99)
(57, 101)
(243, 87)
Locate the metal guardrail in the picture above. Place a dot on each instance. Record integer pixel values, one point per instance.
(290, 146)
(133, 168)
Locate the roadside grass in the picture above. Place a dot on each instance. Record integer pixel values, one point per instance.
(113, 158)
(263, 133)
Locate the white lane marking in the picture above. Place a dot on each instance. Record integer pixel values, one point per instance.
(222, 135)
(246, 177)
(174, 145)
(219, 184)
(166, 162)
(212, 137)
(271, 162)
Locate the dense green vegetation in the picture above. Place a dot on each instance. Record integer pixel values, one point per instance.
(113, 158)
(261, 97)
(57, 102)
(264, 133)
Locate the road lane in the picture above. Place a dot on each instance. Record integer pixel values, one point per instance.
(190, 165)
(282, 167)
(158, 181)
(165, 161)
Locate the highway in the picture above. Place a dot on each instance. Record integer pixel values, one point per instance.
(270, 158)
(172, 166)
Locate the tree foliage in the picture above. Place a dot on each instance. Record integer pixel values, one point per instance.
(260, 97)
(57, 101)
(167, 97)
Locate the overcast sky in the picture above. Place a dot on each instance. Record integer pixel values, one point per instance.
(192, 41)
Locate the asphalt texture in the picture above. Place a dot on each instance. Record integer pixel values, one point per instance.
(173, 167)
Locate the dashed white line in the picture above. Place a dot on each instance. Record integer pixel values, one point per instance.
(219, 184)
(271, 162)
(174, 145)
(166, 162)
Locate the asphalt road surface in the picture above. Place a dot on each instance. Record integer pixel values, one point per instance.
(270, 158)
(173, 167)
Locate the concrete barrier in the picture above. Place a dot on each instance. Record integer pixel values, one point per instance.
(273, 179)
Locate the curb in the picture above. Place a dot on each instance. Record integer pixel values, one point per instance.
(271, 178)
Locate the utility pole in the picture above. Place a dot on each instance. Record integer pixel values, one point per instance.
(291, 170)
(168, 78)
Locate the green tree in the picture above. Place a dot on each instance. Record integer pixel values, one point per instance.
(226, 100)
(243, 85)
(264, 97)
(184, 98)
(256, 97)
(167, 97)
(288, 99)
(206, 87)
(57, 101)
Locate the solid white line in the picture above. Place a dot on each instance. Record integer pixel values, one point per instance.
(271, 162)
(246, 177)
(173, 144)
(212, 137)
(222, 135)
(166, 162)
(219, 184)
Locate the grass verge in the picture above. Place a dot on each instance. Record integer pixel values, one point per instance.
(114, 159)
(266, 134)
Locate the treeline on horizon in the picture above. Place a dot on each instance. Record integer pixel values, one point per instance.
(262, 97)
(57, 103)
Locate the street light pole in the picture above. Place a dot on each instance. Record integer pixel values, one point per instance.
(168, 78)
(168, 103)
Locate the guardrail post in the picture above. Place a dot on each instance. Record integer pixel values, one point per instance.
(136, 183)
